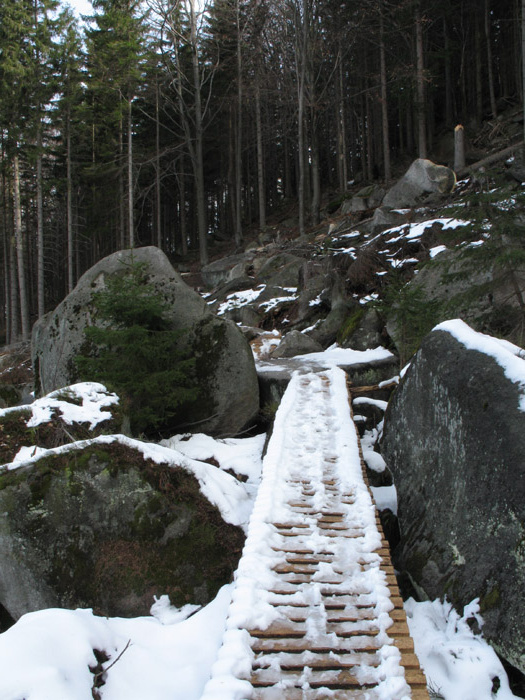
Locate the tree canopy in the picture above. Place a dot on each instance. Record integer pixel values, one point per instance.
(167, 123)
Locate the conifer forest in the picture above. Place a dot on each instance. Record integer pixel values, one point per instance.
(178, 124)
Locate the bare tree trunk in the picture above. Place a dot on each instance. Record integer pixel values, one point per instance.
(238, 137)
(479, 78)
(7, 245)
(19, 242)
(300, 144)
(420, 80)
(39, 224)
(490, 71)
(182, 197)
(316, 177)
(13, 304)
(131, 225)
(7, 310)
(260, 159)
(122, 214)
(158, 202)
(459, 148)
(199, 135)
(384, 99)
(523, 60)
(342, 163)
(449, 110)
(69, 205)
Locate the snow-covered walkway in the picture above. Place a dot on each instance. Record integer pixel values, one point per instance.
(315, 612)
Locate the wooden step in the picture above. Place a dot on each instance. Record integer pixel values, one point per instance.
(318, 661)
(326, 644)
(339, 678)
(306, 694)
(288, 628)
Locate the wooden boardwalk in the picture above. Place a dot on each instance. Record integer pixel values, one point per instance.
(332, 634)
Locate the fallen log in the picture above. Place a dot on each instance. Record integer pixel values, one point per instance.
(488, 160)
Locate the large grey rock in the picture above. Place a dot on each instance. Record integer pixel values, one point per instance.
(454, 439)
(367, 198)
(102, 527)
(423, 177)
(281, 270)
(384, 217)
(224, 362)
(225, 269)
(483, 296)
(365, 332)
(296, 343)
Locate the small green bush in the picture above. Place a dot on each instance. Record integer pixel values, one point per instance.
(136, 353)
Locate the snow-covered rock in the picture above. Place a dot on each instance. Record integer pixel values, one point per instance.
(454, 438)
(107, 523)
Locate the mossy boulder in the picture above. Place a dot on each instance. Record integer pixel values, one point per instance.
(103, 527)
(454, 439)
(226, 375)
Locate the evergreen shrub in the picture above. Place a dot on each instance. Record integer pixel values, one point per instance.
(135, 352)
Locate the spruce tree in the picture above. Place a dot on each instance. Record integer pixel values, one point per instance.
(135, 352)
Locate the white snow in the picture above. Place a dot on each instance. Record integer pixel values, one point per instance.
(458, 664)
(385, 497)
(276, 301)
(237, 299)
(415, 231)
(335, 356)
(46, 655)
(366, 400)
(510, 357)
(240, 455)
(436, 250)
(93, 398)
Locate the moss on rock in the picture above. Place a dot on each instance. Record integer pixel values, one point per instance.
(106, 529)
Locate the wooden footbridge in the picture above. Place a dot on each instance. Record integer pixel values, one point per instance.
(316, 612)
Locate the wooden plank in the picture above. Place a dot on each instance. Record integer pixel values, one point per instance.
(420, 694)
(295, 568)
(316, 679)
(280, 693)
(298, 614)
(325, 645)
(318, 661)
(290, 628)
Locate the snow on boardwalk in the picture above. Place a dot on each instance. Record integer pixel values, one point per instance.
(315, 612)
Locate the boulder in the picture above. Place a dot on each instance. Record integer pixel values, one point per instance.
(225, 269)
(485, 297)
(224, 363)
(296, 343)
(384, 217)
(103, 526)
(281, 270)
(367, 198)
(423, 177)
(454, 439)
(362, 330)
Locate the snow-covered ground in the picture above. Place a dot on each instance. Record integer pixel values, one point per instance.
(47, 654)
